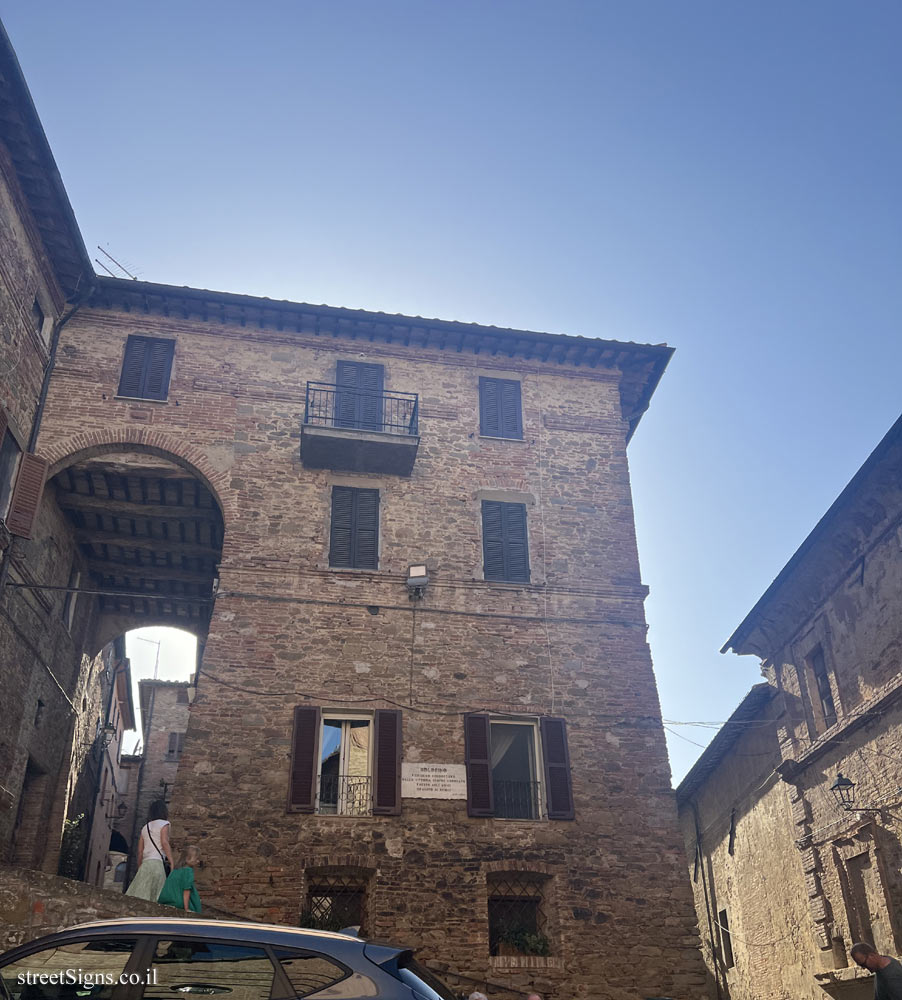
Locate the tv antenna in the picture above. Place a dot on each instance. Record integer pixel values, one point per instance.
(109, 256)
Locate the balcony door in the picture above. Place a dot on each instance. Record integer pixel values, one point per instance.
(358, 395)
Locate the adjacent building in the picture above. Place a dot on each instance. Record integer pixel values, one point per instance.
(425, 703)
(792, 817)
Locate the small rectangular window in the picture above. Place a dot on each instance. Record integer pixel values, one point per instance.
(335, 900)
(176, 745)
(504, 542)
(517, 923)
(726, 942)
(500, 410)
(71, 597)
(181, 696)
(354, 535)
(146, 367)
(37, 318)
(821, 676)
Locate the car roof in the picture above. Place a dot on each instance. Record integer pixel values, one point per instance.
(245, 931)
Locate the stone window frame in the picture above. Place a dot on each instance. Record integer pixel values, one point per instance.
(353, 875)
(550, 905)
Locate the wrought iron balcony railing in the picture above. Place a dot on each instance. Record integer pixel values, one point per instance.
(345, 795)
(359, 409)
(516, 799)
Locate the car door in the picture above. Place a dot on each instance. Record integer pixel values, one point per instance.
(72, 967)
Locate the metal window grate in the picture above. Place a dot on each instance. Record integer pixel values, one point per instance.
(517, 922)
(335, 901)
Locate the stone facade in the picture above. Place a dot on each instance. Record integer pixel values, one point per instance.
(806, 879)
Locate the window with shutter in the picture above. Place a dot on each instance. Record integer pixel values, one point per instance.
(26, 496)
(354, 533)
(302, 782)
(358, 398)
(517, 768)
(504, 542)
(500, 409)
(387, 763)
(146, 367)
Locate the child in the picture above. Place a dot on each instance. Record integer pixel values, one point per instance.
(179, 890)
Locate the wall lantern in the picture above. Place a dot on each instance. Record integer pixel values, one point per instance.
(844, 792)
(417, 578)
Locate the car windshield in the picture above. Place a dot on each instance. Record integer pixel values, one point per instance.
(423, 982)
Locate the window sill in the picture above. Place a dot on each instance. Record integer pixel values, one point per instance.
(497, 437)
(141, 399)
(525, 962)
(353, 569)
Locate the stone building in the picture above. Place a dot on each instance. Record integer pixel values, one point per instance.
(50, 700)
(786, 879)
(426, 703)
(164, 724)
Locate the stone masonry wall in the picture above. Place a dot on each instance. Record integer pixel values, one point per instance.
(289, 630)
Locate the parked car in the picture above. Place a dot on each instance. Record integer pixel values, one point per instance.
(163, 959)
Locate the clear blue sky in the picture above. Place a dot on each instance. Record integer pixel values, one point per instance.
(720, 176)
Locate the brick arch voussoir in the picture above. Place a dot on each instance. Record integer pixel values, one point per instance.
(67, 451)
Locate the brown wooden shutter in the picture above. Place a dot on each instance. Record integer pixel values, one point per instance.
(304, 741)
(387, 765)
(4, 423)
(26, 498)
(478, 741)
(558, 785)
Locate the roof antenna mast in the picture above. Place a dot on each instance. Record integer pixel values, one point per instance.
(124, 270)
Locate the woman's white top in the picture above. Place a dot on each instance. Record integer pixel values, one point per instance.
(155, 826)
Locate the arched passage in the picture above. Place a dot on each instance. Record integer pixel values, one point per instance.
(148, 527)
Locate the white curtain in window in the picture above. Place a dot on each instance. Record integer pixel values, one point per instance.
(502, 740)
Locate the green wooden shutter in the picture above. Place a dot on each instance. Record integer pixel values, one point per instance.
(500, 410)
(157, 368)
(131, 381)
(366, 535)
(504, 542)
(341, 534)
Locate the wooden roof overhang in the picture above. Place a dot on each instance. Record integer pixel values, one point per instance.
(641, 365)
(23, 136)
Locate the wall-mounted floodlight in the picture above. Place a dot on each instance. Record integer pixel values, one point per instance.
(417, 578)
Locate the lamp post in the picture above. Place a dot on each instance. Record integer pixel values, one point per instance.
(844, 792)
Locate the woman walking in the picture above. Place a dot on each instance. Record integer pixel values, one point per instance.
(153, 849)
(180, 890)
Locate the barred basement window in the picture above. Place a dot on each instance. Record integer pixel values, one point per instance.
(336, 900)
(517, 920)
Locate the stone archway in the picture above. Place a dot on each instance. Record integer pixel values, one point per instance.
(148, 522)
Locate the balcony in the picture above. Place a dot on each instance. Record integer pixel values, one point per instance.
(359, 431)
(345, 795)
(516, 799)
